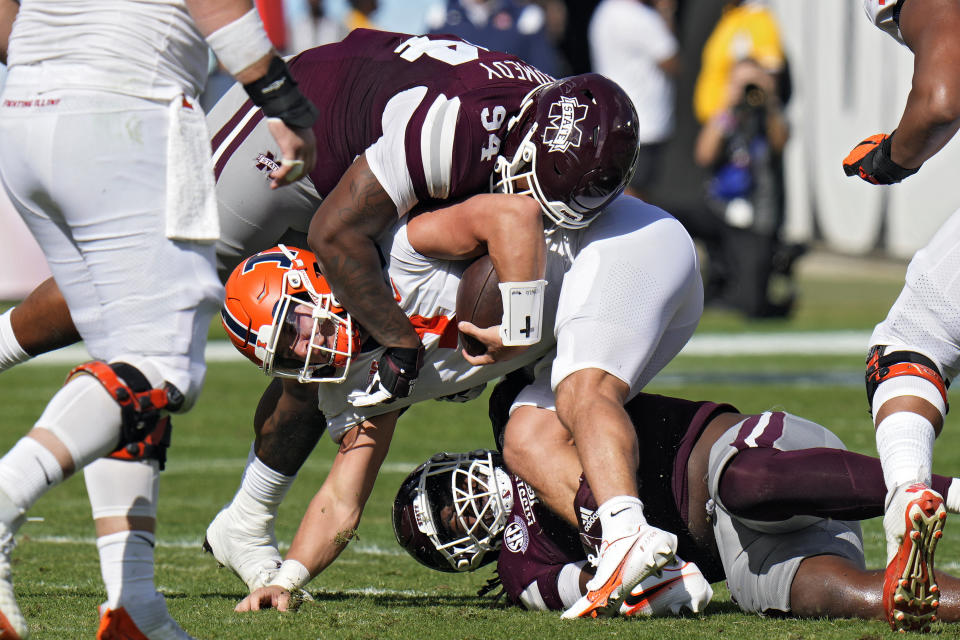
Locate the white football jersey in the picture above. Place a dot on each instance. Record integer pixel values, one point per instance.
(426, 290)
(144, 48)
(880, 13)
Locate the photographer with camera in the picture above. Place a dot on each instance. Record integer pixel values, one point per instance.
(742, 143)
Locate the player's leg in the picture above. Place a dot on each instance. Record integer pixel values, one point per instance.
(39, 324)
(287, 426)
(533, 434)
(916, 353)
(123, 497)
(833, 586)
(135, 296)
(768, 484)
(607, 350)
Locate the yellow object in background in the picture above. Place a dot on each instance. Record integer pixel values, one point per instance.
(748, 30)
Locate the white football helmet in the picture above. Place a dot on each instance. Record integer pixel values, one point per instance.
(450, 511)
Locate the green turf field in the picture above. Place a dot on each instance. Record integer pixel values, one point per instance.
(374, 590)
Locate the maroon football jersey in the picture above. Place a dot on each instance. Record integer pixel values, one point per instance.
(536, 546)
(447, 103)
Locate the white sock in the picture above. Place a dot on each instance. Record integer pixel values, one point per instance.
(620, 516)
(11, 353)
(261, 490)
(27, 471)
(952, 499)
(905, 447)
(126, 564)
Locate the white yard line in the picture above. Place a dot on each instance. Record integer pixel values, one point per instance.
(706, 344)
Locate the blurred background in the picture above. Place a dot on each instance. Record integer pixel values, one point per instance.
(790, 86)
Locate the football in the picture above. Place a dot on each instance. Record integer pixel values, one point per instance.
(478, 301)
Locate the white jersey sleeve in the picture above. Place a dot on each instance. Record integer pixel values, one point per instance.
(388, 157)
(880, 13)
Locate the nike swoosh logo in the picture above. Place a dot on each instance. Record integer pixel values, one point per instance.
(614, 515)
(44, 469)
(633, 600)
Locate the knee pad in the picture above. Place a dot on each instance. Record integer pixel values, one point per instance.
(142, 407)
(882, 367)
(153, 447)
(122, 488)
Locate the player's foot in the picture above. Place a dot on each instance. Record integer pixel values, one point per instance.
(13, 626)
(623, 564)
(116, 624)
(679, 588)
(913, 522)
(252, 555)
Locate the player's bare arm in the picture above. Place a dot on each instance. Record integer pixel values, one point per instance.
(333, 515)
(8, 11)
(288, 425)
(230, 29)
(342, 234)
(932, 114)
(508, 227)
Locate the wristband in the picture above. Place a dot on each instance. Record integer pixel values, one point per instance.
(277, 96)
(240, 43)
(522, 312)
(884, 169)
(291, 576)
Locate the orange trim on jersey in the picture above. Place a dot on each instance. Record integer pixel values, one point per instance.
(437, 325)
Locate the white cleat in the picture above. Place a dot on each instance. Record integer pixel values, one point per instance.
(13, 626)
(679, 588)
(252, 555)
(623, 564)
(116, 624)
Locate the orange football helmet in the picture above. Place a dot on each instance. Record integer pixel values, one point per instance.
(273, 298)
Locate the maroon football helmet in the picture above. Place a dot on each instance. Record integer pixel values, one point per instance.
(450, 512)
(574, 142)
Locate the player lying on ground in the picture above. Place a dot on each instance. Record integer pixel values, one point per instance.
(767, 502)
(914, 352)
(630, 235)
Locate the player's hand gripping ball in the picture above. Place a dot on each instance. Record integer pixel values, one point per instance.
(479, 301)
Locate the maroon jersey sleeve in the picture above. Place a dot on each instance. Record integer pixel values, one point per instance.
(429, 111)
(536, 547)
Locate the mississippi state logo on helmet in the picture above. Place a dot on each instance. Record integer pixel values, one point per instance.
(572, 146)
(280, 313)
(450, 511)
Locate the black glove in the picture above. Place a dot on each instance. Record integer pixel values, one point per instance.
(871, 161)
(395, 378)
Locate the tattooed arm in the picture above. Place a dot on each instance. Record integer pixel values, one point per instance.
(342, 235)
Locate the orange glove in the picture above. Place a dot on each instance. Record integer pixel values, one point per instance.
(871, 161)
